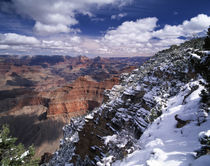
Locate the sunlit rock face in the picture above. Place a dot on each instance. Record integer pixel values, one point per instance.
(81, 96)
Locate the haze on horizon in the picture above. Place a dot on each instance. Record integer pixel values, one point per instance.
(99, 27)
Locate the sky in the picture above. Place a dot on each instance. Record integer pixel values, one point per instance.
(109, 28)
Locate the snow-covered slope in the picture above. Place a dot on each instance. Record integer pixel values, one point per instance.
(168, 87)
(163, 144)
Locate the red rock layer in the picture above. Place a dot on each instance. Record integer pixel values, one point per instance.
(78, 97)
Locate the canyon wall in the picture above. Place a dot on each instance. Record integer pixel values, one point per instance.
(40, 94)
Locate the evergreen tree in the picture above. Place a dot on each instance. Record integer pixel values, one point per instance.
(204, 69)
(14, 155)
(207, 41)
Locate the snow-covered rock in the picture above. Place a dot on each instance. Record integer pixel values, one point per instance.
(137, 119)
(204, 136)
(163, 144)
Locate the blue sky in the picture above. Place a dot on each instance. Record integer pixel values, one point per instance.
(172, 12)
(99, 27)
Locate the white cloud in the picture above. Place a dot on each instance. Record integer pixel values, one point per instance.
(138, 31)
(118, 16)
(45, 28)
(53, 16)
(168, 32)
(196, 24)
(4, 47)
(140, 37)
(131, 38)
(187, 28)
(16, 39)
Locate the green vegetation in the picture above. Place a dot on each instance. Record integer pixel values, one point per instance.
(155, 113)
(205, 71)
(12, 154)
(206, 46)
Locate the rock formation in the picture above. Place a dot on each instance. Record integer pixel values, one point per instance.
(40, 94)
(111, 131)
(77, 98)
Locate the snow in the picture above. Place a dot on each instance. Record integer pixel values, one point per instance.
(195, 56)
(155, 142)
(74, 138)
(156, 158)
(117, 87)
(105, 161)
(204, 136)
(116, 140)
(122, 109)
(24, 154)
(130, 104)
(129, 91)
(206, 52)
(67, 164)
(89, 116)
(162, 144)
(202, 161)
(108, 139)
(138, 88)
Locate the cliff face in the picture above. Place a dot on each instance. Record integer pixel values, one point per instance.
(40, 94)
(77, 98)
(112, 131)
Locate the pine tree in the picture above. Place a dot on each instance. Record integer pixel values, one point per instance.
(205, 71)
(207, 41)
(14, 155)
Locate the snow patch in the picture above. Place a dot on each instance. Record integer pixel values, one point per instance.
(204, 136)
(163, 144)
(112, 138)
(195, 56)
(89, 116)
(24, 154)
(202, 161)
(106, 161)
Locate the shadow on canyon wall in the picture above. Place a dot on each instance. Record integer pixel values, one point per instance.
(31, 129)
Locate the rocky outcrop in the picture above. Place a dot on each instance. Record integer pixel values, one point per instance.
(111, 131)
(39, 94)
(77, 98)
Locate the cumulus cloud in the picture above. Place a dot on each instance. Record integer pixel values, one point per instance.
(53, 16)
(188, 28)
(118, 16)
(16, 39)
(130, 37)
(142, 37)
(17, 44)
(45, 28)
(196, 24)
(11, 43)
(132, 31)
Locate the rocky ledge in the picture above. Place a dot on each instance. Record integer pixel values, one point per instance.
(111, 132)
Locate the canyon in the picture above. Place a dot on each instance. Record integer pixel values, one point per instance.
(40, 94)
(158, 114)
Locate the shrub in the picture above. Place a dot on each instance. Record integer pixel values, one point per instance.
(207, 41)
(12, 154)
